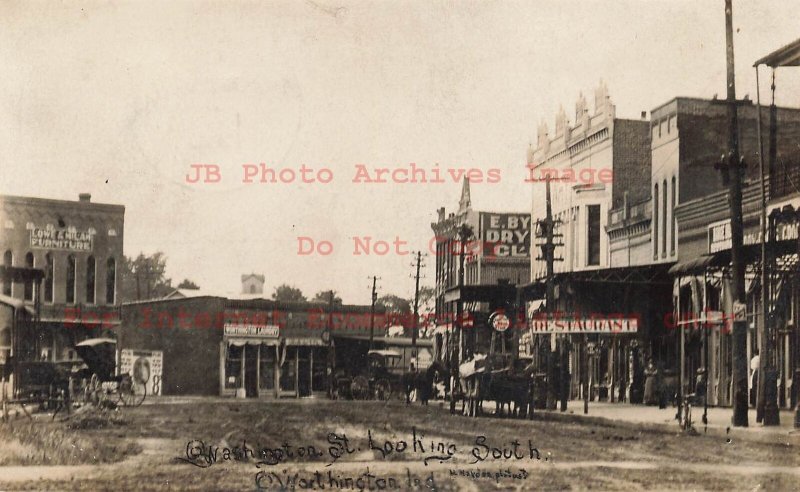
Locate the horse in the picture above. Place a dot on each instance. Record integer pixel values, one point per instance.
(422, 382)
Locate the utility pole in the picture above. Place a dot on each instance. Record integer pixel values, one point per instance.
(732, 176)
(329, 342)
(547, 231)
(372, 312)
(415, 326)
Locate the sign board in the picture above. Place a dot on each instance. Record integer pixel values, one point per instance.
(499, 321)
(145, 366)
(525, 342)
(598, 324)
(739, 311)
(61, 239)
(250, 330)
(505, 235)
(719, 237)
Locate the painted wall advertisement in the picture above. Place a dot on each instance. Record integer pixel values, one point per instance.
(62, 239)
(506, 235)
(145, 366)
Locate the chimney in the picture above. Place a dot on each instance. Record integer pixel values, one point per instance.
(85, 197)
(644, 115)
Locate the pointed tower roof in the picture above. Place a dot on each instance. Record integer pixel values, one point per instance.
(465, 203)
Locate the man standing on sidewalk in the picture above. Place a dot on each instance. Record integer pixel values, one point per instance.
(754, 362)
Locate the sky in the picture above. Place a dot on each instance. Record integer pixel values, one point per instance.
(120, 99)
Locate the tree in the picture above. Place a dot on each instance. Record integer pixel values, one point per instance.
(144, 277)
(398, 310)
(288, 293)
(188, 284)
(324, 296)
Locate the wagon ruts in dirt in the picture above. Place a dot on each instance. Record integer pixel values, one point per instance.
(104, 383)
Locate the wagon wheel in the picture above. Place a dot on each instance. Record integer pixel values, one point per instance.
(131, 394)
(383, 390)
(359, 388)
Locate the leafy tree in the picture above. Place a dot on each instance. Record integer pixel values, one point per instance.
(188, 284)
(288, 293)
(398, 310)
(324, 296)
(144, 277)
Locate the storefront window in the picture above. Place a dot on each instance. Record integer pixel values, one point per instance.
(233, 367)
(267, 369)
(288, 378)
(319, 376)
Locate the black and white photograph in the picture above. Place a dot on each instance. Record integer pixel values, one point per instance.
(413, 245)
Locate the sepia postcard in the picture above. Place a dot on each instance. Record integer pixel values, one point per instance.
(399, 245)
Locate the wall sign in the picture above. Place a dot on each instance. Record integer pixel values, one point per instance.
(61, 239)
(585, 325)
(250, 330)
(506, 235)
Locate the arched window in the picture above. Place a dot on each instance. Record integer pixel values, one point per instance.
(111, 280)
(8, 260)
(655, 221)
(673, 222)
(90, 279)
(49, 278)
(664, 219)
(70, 280)
(252, 289)
(29, 284)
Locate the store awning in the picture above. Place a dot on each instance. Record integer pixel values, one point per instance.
(294, 342)
(786, 56)
(782, 251)
(693, 266)
(480, 293)
(241, 342)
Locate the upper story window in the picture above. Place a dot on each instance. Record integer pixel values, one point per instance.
(91, 267)
(673, 222)
(664, 215)
(655, 220)
(8, 261)
(593, 235)
(49, 277)
(70, 279)
(28, 289)
(111, 280)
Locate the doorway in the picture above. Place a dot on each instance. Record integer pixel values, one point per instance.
(304, 372)
(251, 370)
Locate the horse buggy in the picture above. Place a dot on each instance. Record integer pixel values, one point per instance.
(496, 376)
(379, 380)
(103, 383)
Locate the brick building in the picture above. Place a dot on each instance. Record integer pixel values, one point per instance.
(602, 170)
(496, 259)
(697, 233)
(77, 248)
(211, 345)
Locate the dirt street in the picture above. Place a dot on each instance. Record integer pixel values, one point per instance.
(342, 445)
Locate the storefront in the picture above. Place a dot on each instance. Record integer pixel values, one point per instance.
(255, 348)
(259, 362)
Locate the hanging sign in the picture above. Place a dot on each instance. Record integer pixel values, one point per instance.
(499, 321)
